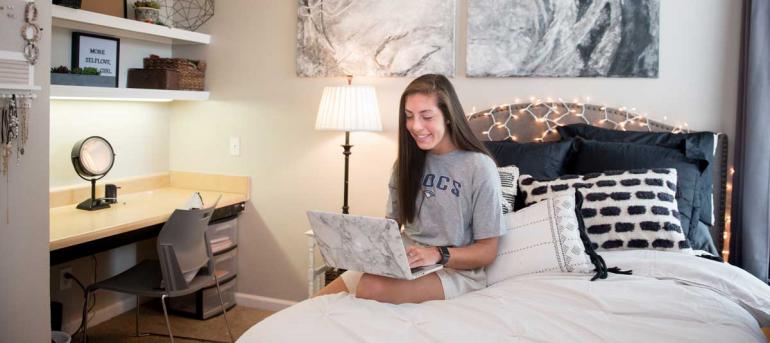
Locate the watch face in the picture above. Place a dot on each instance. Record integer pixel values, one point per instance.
(444, 255)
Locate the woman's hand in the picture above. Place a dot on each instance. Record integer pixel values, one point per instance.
(422, 256)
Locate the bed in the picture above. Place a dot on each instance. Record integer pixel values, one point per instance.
(671, 295)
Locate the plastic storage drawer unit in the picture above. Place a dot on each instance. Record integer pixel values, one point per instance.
(226, 263)
(223, 235)
(205, 303)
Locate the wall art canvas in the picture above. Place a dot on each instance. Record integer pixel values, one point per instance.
(563, 38)
(375, 37)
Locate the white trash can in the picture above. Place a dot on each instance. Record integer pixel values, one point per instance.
(60, 337)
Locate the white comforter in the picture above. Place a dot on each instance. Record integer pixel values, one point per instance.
(670, 297)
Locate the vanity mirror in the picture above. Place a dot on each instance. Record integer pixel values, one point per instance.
(92, 158)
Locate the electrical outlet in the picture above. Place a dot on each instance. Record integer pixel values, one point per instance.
(235, 146)
(65, 283)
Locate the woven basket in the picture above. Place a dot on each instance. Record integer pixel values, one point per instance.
(191, 72)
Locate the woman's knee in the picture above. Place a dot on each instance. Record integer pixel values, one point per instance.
(371, 287)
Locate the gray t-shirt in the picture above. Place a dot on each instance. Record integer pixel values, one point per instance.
(459, 202)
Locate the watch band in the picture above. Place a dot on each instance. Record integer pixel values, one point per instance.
(444, 252)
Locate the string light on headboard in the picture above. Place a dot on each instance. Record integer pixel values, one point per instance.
(551, 113)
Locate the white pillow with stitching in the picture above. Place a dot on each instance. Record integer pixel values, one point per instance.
(541, 238)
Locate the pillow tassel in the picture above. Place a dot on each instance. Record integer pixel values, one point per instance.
(601, 267)
(616, 270)
(598, 262)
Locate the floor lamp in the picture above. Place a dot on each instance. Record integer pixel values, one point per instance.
(348, 108)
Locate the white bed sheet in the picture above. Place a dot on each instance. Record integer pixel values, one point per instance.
(670, 297)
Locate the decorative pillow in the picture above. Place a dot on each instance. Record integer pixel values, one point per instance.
(695, 145)
(541, 160)
(544, 237)
(633, 209)
(509, 181)
(594, 156)
(700, 239)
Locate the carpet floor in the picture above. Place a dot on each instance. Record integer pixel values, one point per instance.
(121, 328)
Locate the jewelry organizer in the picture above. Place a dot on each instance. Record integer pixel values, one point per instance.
(17, 75)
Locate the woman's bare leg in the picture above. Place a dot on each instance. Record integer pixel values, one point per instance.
(333, 287)
(397, 291)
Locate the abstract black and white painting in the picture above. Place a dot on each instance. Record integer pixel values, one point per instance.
(375, 37)
(563, 38)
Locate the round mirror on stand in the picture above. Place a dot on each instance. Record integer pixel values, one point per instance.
(92, 158)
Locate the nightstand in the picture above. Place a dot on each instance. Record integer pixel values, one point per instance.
(315, 275)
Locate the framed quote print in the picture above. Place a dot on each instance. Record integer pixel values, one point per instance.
(95, 51)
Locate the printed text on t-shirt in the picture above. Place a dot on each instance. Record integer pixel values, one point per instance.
(441, 183)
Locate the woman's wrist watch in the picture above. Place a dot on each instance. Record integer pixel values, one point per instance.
(444, 253)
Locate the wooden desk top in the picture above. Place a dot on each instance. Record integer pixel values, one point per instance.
(70, 226)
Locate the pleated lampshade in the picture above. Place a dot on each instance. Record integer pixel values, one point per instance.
(349, 108)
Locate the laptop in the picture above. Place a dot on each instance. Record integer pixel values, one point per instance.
(365, 244)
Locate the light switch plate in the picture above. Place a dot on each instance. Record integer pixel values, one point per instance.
(235, 146)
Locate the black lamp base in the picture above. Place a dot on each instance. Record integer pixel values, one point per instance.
(93, 204)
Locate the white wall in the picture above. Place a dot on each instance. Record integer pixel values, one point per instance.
(24, 316)
(137, 131)
(257, 97)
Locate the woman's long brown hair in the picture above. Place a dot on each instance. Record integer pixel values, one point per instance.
(411, 159)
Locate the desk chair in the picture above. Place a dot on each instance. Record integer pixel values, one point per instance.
(183, 249)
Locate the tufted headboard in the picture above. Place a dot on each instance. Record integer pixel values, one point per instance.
(537, 122)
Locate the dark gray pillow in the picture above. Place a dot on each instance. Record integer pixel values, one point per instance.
(700, 239)
(541, 160)
(598, 157)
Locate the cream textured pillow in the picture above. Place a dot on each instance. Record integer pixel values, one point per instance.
(541, 238)
(633, 209)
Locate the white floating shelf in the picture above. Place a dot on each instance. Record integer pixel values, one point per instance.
(124, 94)
(120, 27)
(5, 86)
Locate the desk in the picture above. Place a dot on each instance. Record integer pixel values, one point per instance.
(140, 215)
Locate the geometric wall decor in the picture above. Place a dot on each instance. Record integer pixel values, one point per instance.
(375, 37)
(563, 38)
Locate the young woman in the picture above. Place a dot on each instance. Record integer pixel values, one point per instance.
(445, 190)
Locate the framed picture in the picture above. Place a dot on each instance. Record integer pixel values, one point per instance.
(100, 52)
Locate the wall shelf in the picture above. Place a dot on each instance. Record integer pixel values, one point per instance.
(125, 28)
(124, 94)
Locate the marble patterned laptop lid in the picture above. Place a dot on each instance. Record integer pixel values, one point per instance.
(366, 244)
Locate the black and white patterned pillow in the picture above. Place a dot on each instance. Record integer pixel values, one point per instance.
(633, 209)
(509, 177)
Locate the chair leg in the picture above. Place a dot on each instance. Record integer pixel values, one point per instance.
(84, 321)
(224, 310)
(165, 314)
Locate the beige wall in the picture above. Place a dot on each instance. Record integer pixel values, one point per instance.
(24, 316)
(137, 131)
(256, 96)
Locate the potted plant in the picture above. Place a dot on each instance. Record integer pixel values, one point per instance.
(147, 11)
(88, 76)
